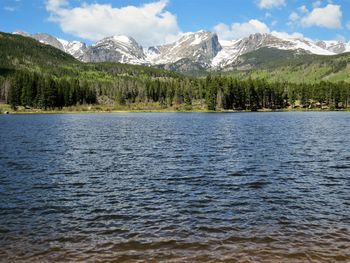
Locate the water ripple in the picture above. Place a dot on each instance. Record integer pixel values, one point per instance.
(257, 187)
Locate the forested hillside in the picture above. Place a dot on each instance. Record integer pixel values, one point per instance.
(35, 75)
(290, 66)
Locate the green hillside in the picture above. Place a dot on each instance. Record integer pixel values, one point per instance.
(289, 66)
(18, 52)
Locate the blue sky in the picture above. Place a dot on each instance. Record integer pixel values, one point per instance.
(159, 21)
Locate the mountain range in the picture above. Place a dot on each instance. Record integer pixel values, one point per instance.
(192, 51)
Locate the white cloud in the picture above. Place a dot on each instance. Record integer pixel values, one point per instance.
(149, 24)
(317, 3)
(328, 17)
(269, 4)
(294, 17)
(340, 38)
(55, 5)
(239, 30)
(303, 9)
(268, 15)
(10, 8)
(348, 25)
(287, 35)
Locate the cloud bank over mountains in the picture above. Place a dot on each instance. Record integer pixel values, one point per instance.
(149, 24)
(152, 24)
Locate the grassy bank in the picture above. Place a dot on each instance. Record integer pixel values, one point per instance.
(139, 107)
(134, 107)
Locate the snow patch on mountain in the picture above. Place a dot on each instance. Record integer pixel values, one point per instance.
(347, 47)
(121, 49)
(233, 49)
(21, 33)
(336, 47)
(76, 49)
(200, 47)
(228, 54)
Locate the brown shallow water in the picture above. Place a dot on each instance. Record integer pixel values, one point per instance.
(241, 187)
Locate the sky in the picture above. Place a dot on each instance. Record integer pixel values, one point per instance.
(154, 22)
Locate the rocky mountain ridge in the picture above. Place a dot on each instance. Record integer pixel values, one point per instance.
(200, 49)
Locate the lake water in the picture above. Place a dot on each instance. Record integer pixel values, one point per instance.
(174, 187)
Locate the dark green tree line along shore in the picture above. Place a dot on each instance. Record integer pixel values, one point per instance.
(31, 89)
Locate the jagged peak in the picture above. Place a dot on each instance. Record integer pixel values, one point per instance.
(120, 39)
(42, 34)
(21, 33)
(198, 33)
(262, 36)
(196, 38)
(202, 47)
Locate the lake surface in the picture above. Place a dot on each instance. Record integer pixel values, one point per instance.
(174, 187)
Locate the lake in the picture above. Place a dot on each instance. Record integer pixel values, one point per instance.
(174, 187)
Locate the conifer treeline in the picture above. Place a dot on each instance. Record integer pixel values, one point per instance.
(220, 92)
(42, 91)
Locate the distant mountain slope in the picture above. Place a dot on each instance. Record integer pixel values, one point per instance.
(285, 65)
(116, 49)
(17, 51)
(277, 64)
(337, 47)
(265, 57)
(232, 50)
(199, 50)
(21, 52)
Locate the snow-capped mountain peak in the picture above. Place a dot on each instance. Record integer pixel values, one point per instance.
(21, 33)
(124, 39)
(76, 48)
(200, 48)
(234, 49)
(334, 46)
(48, 40)
(122, 49)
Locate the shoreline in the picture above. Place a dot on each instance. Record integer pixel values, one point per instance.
(95, 109)
(48, 112)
